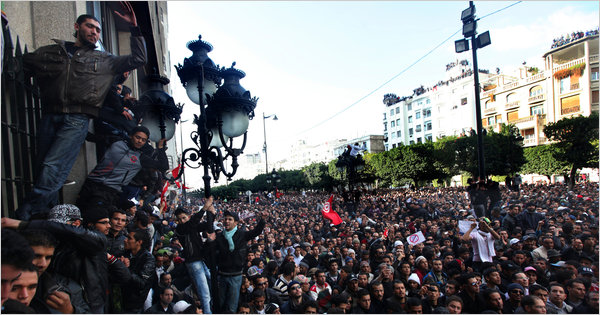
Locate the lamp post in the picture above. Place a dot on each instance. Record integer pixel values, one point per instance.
(225, 112)
(265, 144)
(181, 147)
(351, 166)
(470, 30)
(273, 178)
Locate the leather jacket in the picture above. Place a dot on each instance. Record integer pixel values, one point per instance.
(81, 256)
(135, 291)
(190, 234)
(79, 84)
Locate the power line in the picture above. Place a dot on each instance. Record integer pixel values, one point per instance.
(399, 74)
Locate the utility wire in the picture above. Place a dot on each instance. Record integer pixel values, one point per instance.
(399, 74)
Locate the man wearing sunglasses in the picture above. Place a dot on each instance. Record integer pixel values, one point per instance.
(469, 293)
(515, 295)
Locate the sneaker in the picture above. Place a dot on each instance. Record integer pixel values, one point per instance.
(69, 182)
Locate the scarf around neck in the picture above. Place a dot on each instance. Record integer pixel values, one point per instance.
(228, 236)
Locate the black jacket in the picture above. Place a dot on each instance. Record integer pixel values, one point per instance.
(81, 255)
(190, 235)
(231, 263)
(79, 84)
(143, 274)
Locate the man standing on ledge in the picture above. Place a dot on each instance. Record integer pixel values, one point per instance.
(74, 79)
(232, 247)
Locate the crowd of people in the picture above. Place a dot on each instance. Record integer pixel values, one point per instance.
(532, 250)
(557, 42)
(484, 248)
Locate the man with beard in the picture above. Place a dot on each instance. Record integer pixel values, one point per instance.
(529, 219)
(482, 242)
(493, 300)
(74, 79)
(296, 298)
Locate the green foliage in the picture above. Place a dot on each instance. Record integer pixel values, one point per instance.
(541, 160)
(577, 139)
(317, 175)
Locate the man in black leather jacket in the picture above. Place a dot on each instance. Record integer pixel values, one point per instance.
(74, 79)
(195, 253)
(81, 254)
(141, 266)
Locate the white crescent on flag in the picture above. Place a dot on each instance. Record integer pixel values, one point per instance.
(326, 207)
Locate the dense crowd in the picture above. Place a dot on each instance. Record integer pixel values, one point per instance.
(484, 248)
(557, 42)
(534, 251)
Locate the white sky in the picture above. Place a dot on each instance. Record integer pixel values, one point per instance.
(308, 60)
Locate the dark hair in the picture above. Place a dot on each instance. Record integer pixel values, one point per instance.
(488, 292)
(142, 217)
(39, 238)
(15, 249)
(179, 211)
(309, 303)
(413, 301)
(288, 268)
(161, 291)
(454, 298)
(125, 90)
(361, 293)
(258, 293)
(142, 235)
(113, 210)
(528, 300)
(82, 18)
(140, 129)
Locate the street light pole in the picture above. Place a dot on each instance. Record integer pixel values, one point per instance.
(181, 146)
(470, 30)
(265, 144)
(480, 159)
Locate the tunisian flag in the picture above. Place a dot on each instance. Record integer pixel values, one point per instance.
(328, 212)
(277, 194)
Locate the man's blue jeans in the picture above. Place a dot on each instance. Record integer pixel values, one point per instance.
(60, 137)
(229, 293)
(200, 275)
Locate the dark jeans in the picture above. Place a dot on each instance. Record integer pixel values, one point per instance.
(60, 137)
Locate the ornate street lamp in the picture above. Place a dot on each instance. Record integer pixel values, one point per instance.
(274, 178)
(351, 166)
(161, 113)
(225, 112)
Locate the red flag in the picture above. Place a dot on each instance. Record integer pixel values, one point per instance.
(386, 232)
(329, 213)
(175, 171)
(277, 193)
(164, 190)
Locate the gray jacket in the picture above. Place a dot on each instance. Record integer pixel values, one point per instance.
(78, 84)
(121, 163)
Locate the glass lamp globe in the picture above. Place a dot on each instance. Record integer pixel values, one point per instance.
(216, 140)
(235, 123)
(191, 89)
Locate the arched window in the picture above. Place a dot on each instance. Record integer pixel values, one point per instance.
(535, 91)
(512, 97)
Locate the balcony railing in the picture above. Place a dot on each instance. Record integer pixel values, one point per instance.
(593, 58)
(512, 104)
(537, 77)
(489, 110)
(529, 141)
(537, 98)
(575, 86)
(510, 86)
(568, 64)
